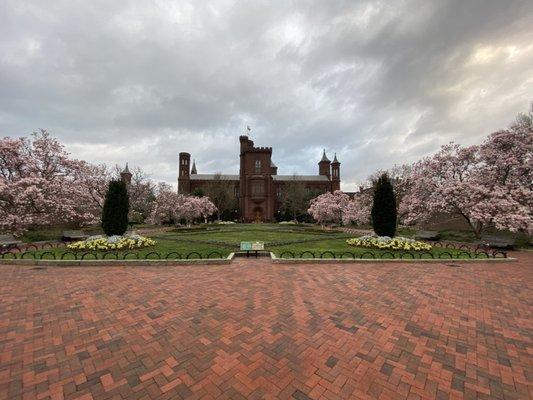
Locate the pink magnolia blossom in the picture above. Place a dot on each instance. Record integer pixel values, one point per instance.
(40, 185)
(170, 206)
(337, 207)
(164, 205)
(357, 211)
(487, 185)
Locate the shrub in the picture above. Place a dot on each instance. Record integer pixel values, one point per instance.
(116, 208)
(384, 214)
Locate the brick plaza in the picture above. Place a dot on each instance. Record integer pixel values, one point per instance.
(256, 330)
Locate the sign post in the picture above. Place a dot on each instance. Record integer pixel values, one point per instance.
(252, 246)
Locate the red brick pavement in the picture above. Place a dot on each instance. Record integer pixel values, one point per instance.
(258, 330)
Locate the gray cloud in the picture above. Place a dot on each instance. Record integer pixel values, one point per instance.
(379, 82)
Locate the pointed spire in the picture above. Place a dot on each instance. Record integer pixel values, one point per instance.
(193, 170)
(335, 161)
(324, 157)
(126, 170)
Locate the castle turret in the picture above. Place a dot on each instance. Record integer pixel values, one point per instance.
(324, 165)
(184, 182)
(335, 174)
(126, 175)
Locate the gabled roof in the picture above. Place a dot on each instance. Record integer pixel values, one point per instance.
(211, 177)
(279, 178)
(285, 178)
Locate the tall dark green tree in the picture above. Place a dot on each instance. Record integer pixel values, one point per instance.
(116, 207)
(384, 207)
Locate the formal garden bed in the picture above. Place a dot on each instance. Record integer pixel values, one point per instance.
(218, 242)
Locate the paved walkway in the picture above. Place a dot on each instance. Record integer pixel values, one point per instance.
(258, 330)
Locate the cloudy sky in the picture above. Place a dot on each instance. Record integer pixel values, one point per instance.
(378, 82)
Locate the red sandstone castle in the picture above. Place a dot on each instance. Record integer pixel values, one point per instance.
(258, 187)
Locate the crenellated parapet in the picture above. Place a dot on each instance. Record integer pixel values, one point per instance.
(248, 146)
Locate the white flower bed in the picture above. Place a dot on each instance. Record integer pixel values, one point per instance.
(388, 243)
(115, 242)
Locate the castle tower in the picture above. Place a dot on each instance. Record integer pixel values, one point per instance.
(324, 165)
(335, 174)
(256, 197)
(184, 179)
(126, 175)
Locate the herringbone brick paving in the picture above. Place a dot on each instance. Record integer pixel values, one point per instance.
(256, 330)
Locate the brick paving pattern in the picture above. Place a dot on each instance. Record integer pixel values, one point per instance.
(256, 330)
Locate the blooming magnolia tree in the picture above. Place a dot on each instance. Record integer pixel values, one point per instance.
(487, 185)
(170, 207)
(41, 185)
(337, 207)
(190, 208)
(357, 211)
(164, 205)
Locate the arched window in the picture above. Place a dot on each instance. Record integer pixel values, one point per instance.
(257, 166)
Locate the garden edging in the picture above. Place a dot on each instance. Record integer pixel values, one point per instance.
(229, 259)
(126, 263)
(278, 260)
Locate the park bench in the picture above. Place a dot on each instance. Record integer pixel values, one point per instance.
(132, 223)
(73, 235)
(497, 242)
(8, 241)
(427, 235)
(252, 247)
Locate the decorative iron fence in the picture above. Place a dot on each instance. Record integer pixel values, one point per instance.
(399, 255)
(18, 254)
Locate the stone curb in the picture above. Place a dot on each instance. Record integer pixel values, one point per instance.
(125, 263)
(228, 260)
(278, 260)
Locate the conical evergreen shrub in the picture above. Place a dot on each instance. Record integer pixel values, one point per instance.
(116, 207)
(384, 207)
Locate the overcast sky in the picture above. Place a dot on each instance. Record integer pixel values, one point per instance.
(378, 82)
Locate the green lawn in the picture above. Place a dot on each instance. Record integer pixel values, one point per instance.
(213, 241)
(340, 249)
(55, 233)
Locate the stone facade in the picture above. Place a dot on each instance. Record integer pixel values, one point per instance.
(258, 187)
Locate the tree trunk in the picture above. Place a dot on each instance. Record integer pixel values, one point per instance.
(477, 227)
